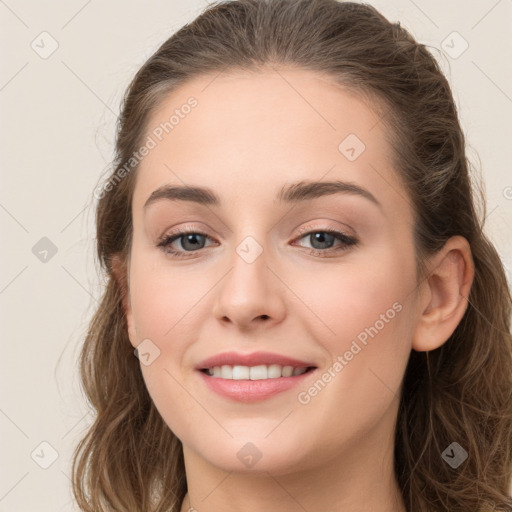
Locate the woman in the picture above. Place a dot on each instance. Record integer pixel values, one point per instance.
(294, 257)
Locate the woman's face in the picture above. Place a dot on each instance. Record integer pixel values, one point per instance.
(315, 275)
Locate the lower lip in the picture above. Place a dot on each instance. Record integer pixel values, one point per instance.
(252, 390)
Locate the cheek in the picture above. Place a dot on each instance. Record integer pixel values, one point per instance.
(163, 312)
(353, 297)
(162, 299)
(362, 315)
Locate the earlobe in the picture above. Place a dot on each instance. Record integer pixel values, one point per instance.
(120, 275)
(445, 295)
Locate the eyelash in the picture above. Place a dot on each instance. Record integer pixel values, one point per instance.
(346, 240)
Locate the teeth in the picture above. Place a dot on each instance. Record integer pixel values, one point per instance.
(226, 372)
(274, 371)
(238, 372)
(261, 372)
(256, 372)
(287, 371)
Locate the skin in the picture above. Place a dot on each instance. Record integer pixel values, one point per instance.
(251, 133)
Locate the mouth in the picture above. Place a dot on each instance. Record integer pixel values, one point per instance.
(259, 372)
(253, 377)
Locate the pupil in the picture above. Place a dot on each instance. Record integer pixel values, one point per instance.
(191, 238)
(321, 238)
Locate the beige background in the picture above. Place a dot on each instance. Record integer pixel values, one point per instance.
(58, 118)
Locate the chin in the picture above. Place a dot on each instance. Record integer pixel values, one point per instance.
(258, 456)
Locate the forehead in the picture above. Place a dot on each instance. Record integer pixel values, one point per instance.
(248, 132)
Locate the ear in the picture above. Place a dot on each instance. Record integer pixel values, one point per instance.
(121, 275)
(444, 294)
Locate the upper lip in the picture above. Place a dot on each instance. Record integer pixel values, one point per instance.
(253, 359)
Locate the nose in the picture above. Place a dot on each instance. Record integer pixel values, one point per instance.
(251, 293)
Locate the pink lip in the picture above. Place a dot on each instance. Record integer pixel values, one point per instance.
(252, 390)
(254, 359)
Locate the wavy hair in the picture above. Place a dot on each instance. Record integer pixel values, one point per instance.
(129, 460)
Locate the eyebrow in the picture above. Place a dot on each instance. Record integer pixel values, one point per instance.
(290, 193)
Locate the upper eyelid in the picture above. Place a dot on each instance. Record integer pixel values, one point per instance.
(331, 227)
(302, 231)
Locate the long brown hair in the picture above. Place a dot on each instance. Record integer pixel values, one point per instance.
(129, 460)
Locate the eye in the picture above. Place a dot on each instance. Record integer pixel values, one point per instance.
(323, 241)
(190, 241)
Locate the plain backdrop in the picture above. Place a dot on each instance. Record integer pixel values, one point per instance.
(58, 115)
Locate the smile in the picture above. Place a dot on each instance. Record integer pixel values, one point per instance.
(260, 372)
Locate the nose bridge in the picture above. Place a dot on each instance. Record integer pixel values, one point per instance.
(249, 290)
(249, 275)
